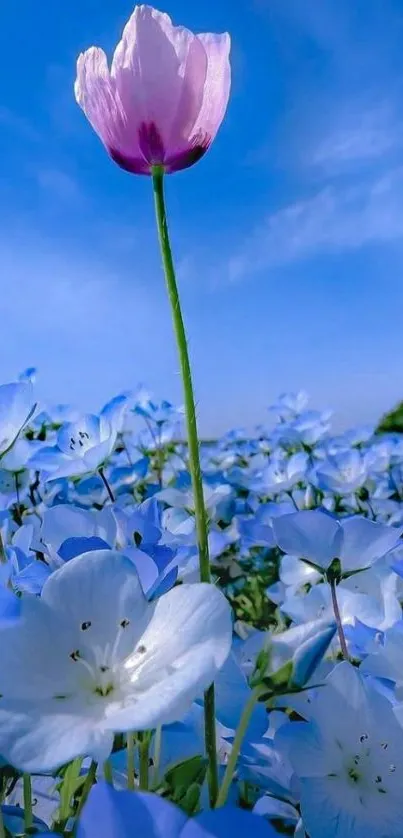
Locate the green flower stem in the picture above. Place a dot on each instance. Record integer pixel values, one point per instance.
(130, 761)
(157, 754)
(27, 794)
(144, 745)
(2, 830)
(339, 622)
(180, 334)
(88, 783)
(232, 761)
(193, 450)
(108, 775)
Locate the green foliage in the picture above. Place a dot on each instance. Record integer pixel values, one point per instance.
(392, 422)
(247, 591)
(182, 784)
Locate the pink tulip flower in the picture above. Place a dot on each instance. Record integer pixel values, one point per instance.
(163, 100)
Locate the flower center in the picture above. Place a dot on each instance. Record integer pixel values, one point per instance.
(369, 768)
(104, 672)
(80, 442)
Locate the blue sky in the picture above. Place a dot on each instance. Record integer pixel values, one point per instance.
(288, 235)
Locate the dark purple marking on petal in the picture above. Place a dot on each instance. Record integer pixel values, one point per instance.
(196, 149)
(134, 165)
(151, 144)
(152, 147)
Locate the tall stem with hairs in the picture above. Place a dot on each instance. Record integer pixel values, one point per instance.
(193, 448)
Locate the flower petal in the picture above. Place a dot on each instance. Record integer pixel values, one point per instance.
(101, 588)
(119, 814)
(41, 737)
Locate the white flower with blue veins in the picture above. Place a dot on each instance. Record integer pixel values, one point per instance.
(342, 473)
(318, 538)
(92, 657)
(349, 761)
(82, 447)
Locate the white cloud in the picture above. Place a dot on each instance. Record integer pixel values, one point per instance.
(333, 220)
(357, 135)
(61, 184)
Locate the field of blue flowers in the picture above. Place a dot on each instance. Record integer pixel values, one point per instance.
(197, 639)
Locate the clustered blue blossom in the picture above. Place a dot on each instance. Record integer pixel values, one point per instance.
(106, 632)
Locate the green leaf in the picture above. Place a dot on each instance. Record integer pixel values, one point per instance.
(282, 677)
(261, 667)
(190, 803)
(188, 771)
(70, 784)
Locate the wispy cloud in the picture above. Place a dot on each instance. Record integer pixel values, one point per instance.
(335, 219)
(357, 136)
(59, 183)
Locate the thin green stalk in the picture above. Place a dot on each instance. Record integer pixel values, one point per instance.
(232, 760)
(339, 622)
(88, 783)
(70, 778)
(181, 340)
(27, 794)
(2, 830)
(130, 761)
(157, 754)
(193, 450)
(144, 745)
(108, 776)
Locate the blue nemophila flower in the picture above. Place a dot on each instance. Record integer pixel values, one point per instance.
(319, 538)
(17, 458)
(281, 811)
(342, 473)
(386, 660)
(368, 596)
(216, 498)
(92, 657)
(349, 760)
(66, 530)
(256, 530)
(82, 447)
(158, 413)
(13, 820)
(281, 474)
(268, 768)
(289, 405)
(16, 408)
(124, 814)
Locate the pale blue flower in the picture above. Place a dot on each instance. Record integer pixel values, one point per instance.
(349, 761)
(92, 657)
(342, 473)
(123, 814)
(317, 537)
